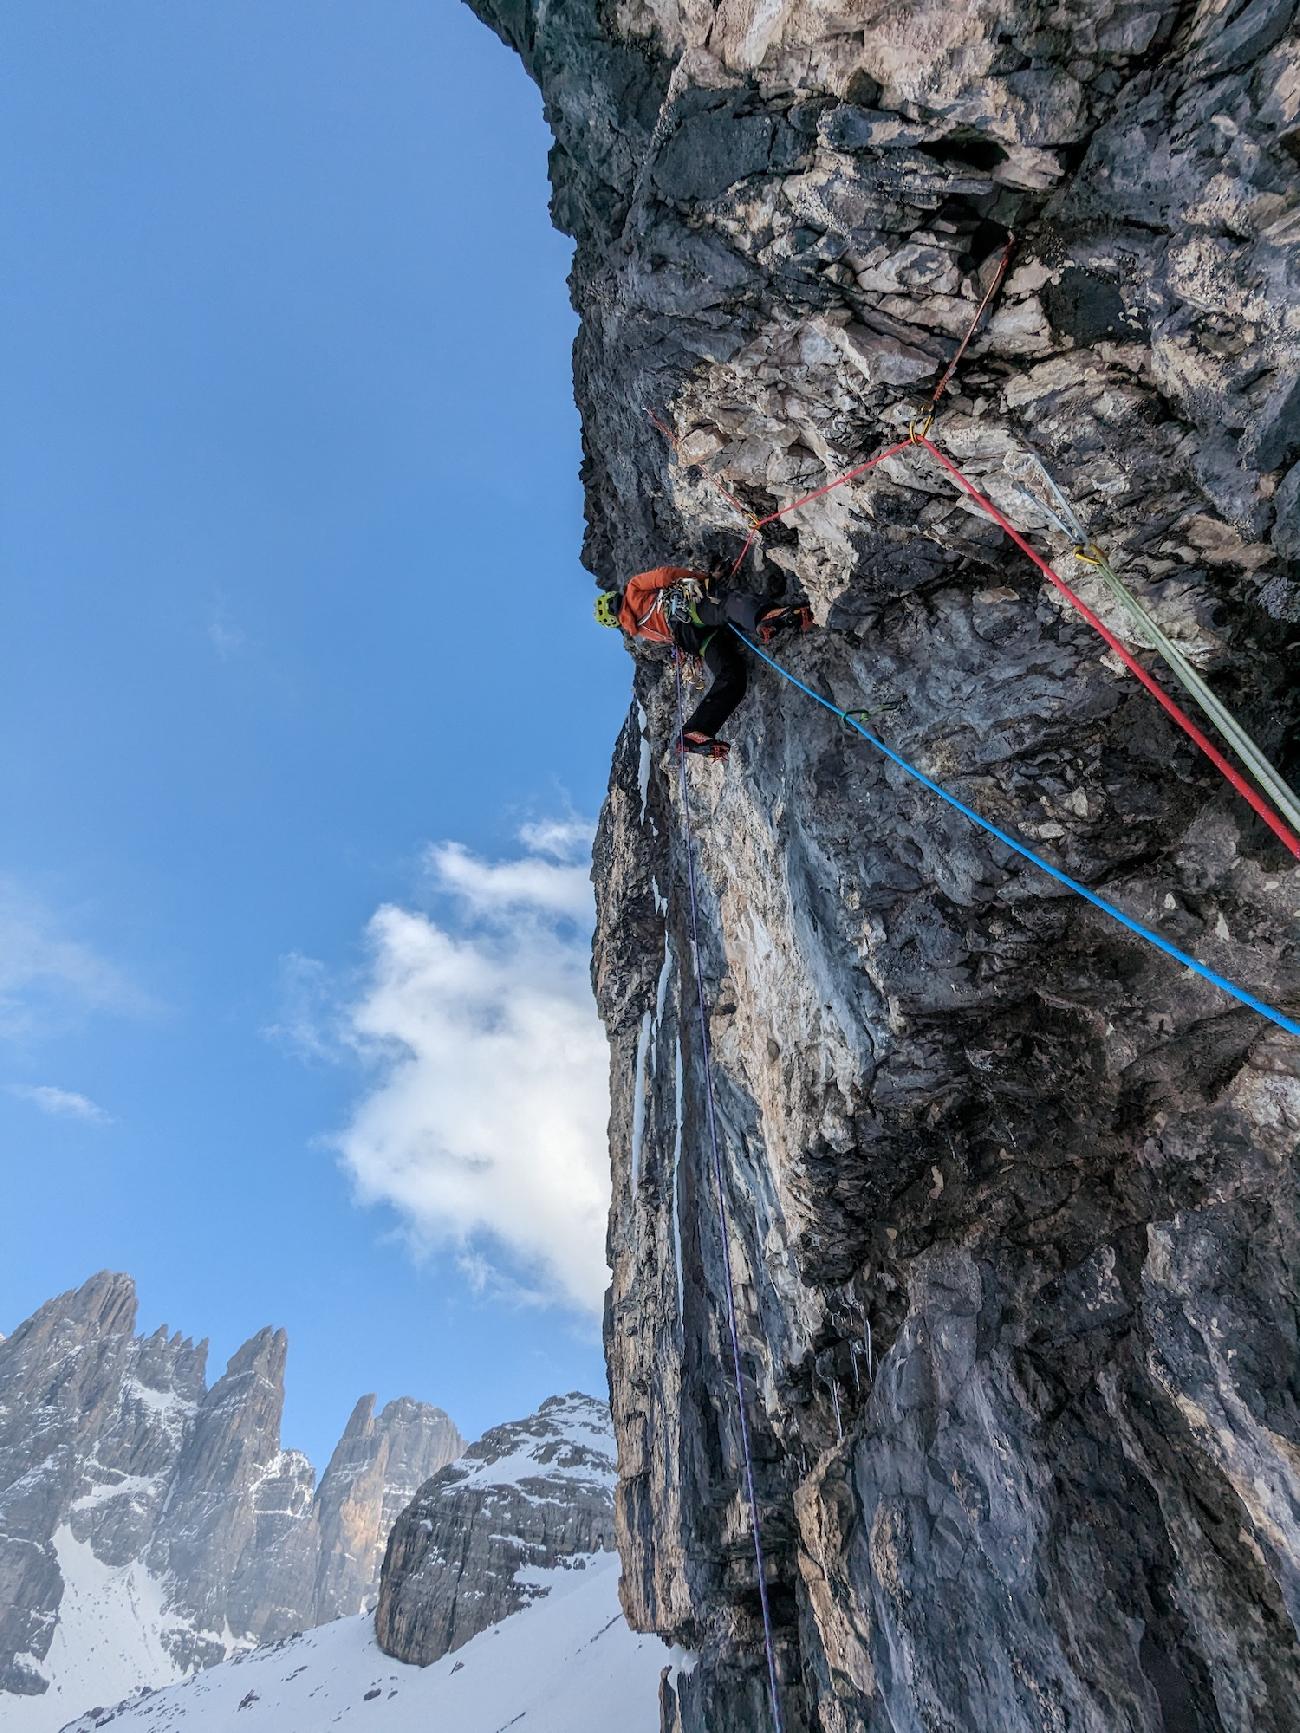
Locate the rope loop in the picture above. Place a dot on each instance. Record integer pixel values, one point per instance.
(1090, 554)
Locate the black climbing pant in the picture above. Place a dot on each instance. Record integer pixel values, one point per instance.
(723, 655)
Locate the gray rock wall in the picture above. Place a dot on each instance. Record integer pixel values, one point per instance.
(530, 1497)
(1013, 1197)
(379, 1465)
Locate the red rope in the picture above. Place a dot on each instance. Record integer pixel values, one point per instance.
(839, 481)
(675, 442)
(739, 561)
(1152, 685)
(975, 322)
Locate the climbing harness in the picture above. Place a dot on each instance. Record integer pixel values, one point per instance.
(711, 1120)
(1152, 938)
(681, 602)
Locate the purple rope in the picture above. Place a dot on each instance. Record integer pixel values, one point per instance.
(712, 1121)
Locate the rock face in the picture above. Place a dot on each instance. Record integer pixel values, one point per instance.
(1012, 1197)
(530, 1496)
(373, 1475)
(115, 1443)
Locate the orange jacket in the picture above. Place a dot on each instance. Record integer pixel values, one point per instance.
(642, 614)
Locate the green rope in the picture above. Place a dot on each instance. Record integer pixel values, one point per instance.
(1266, 774)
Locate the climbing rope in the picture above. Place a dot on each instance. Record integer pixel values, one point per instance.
(1251, 755)
(675, 442)
(1130, 661)
(1265, 774)
(759, 524)
(975, 323)
(839, 481)
(849, 718)
(918, 437)
(711, 1120)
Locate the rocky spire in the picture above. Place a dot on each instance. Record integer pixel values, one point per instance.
(115, 1444)
(374, 1472)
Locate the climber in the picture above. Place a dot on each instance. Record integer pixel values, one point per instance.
(672, 605)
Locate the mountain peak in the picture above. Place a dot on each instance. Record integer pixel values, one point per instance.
(145, 1512)
(526, 1497)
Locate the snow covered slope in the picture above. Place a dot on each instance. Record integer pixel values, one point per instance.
(565, 1664)
(151, 1525)
(110, 1640)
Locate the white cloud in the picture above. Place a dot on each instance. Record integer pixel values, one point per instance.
(491, 888)
(567, 839)
(46, 978)
(61, 1103)
(306, 1023)
(485, 1125)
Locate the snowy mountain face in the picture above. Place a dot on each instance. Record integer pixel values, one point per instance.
(150, 1525)
(486, 1533)
(565, 1663)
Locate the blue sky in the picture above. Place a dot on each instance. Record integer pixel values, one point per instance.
(289, 456)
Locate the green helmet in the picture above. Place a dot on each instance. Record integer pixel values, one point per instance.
(607, 609)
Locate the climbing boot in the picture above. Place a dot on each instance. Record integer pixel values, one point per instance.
(704, 744)
(797, 618)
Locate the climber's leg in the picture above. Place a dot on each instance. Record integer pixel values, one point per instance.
(724, 657)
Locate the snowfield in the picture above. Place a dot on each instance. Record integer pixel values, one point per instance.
(109, 1640)
(565, 1664)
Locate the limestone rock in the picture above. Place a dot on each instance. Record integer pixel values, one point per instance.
(378, 1467)
(471, 1548)
(1012, 1198)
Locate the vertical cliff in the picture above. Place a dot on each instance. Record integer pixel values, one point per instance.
(377, 1468)
(1013, 1223)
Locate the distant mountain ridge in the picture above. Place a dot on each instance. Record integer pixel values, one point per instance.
(500, 1584)
(150, 1524)
(470, 1549)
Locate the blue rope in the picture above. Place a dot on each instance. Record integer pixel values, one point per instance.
(711, 1119)
(1206, 974)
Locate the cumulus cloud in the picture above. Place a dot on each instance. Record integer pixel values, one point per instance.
(565, 839)
(506, 887)
(484, 1123)
(61, 1103)
(48, 978)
